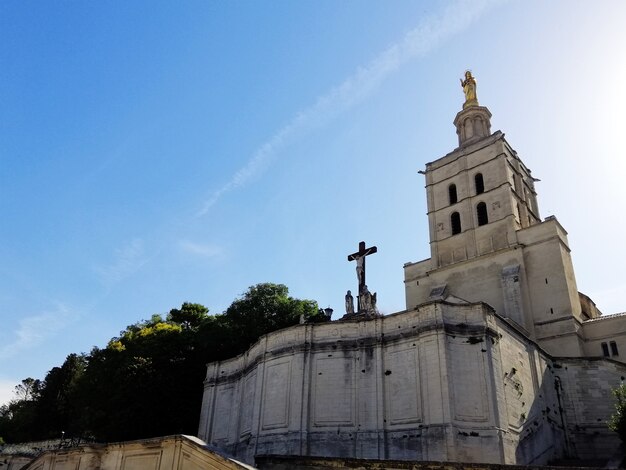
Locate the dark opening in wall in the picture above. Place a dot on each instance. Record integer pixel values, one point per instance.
(479, 183)
(605, 350)
(614, 351)
(455, 222)
(481, 213)
(452, 193)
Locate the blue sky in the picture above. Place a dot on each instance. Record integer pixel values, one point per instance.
(153, 153)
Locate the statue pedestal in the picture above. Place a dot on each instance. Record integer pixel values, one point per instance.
(472, 124)
(366, 307)
(361, 315)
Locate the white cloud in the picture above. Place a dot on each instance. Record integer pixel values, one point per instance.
(199, 249)
(128, 259)
(31, 331)
(416, 43)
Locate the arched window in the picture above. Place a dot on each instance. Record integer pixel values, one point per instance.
(455, 222)
(481, 213)
(452, 193)
(480, 184)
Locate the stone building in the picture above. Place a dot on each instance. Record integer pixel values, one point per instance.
(162, 453)
(497, 358)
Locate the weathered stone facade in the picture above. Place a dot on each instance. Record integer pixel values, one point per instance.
(497, 358)
(441, 382)
(162, 453)
(283, 462)
(489, 244)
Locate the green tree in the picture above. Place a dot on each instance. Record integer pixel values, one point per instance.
(264, 308)
(189, 316)
(148, 380)
(57, 406)
(17, 419)
(28, 390)
(617, 422)
(42, 409)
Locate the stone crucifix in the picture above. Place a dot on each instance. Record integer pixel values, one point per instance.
(359, 257)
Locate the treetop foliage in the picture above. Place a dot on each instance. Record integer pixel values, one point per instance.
(147, 381)
(266, 307)
(617, 422)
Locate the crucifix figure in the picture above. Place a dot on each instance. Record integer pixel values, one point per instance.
(359, 257)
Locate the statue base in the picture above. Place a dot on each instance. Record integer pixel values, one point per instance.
(361, 315)
(472, 124)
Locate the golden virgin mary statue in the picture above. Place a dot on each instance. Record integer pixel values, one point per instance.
(469, 88)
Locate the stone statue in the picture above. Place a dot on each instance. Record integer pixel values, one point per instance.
(365, 300)
(469, 88)
(362, 298)
(349, 304)
(360, 270)
(359, 257)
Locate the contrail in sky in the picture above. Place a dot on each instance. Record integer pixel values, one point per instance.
(416, 43)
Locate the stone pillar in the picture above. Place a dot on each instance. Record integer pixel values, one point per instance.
(472, 124)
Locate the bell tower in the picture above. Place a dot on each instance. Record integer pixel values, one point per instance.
(480, 194)
(487, 240)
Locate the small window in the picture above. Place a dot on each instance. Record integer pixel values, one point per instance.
(605, 350)
(614, 351)
(480, 184)
(526, 198)
(452, 193)
(455, 222)
(481, 213)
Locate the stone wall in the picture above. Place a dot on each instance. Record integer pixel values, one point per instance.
(450, 382)
(13, 461)
(531, 282)
(280, 462)
(587, 403)
(603, 330)
(527, 383)
(164, 453)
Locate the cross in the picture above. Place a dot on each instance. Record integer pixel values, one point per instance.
(359, 257)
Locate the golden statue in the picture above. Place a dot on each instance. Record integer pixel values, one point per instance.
(469, 88)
